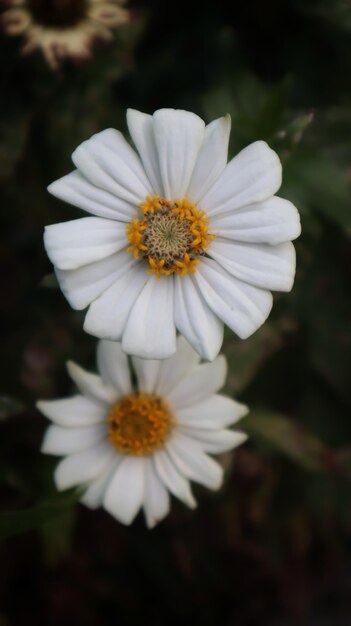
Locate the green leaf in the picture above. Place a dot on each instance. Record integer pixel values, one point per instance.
(14, 129)
(17, 522)
(257, 111)
(49, 281)
(321, 302)
(9, 407)
(57, 536)
(246, 357)
(281, 434)
(315, 183)
(291, 135)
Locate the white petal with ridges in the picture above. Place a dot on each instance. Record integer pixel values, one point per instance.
(73, 412)
(193, 463)
(173, 370)
(60, 441)
(272, 221)
(141, 130)
(172, 479)
(201, 383)
(178, 137)
(195, 320)
(109, 162)
(241, 306)
(84, 284)
(150, 331)
(108, 314)
(147, 371)
(113, 366)
(78, 242)
(212, 158)
(77, 190)
(95, 492)
(81, 467)
(253, 175)
(268, 267)
(125, 493)
(215, 441)
(156, 496)
(212, 413)
(91, 385)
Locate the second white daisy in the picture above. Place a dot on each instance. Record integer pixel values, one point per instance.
(130, 446)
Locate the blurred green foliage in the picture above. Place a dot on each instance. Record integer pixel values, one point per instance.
(273, 547)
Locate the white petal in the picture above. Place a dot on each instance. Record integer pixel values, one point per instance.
(212, 158)
(253, 175)
(272, 221)
(177, 367)
(202, 382)
(147, 373)
(193, 463)
(213, 413)
(107, 13)
(113, 366)
(178, 136)
(195, 320)
(109, 162)
(150, 330)
(15, 21)
(172, 479)
(78, 242)
(215, 441)
(81, 467)
(156, 496)
(125, 493)
(141, 130)
(241, 306)
(77, 190)
(83, 285)
(73, 412)
(108, 314)
(268, 267)
(94, 495)
(91, 385)
(58, 440)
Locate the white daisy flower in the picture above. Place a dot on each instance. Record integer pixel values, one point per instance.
(181, 239)
(132, 445)
(63, 29)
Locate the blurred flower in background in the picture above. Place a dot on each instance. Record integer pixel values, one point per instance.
(63, 28)
(129, 446)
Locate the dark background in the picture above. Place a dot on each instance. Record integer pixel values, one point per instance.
(273, 547)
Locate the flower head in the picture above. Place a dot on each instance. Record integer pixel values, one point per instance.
(130, 446)
(63, 28)
(180, 239)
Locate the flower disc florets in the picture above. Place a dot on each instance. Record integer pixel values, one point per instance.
(139, 424)
(171, 237)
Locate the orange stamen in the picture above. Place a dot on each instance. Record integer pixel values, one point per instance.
(138, 424)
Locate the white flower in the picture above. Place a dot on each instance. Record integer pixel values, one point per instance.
(181, 239)
(63, 28)
(130, 446)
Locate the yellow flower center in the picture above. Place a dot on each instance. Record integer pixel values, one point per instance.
(58, 13)
(138, 424)
(170, 237)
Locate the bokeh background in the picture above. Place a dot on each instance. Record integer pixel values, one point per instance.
(273, 547)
